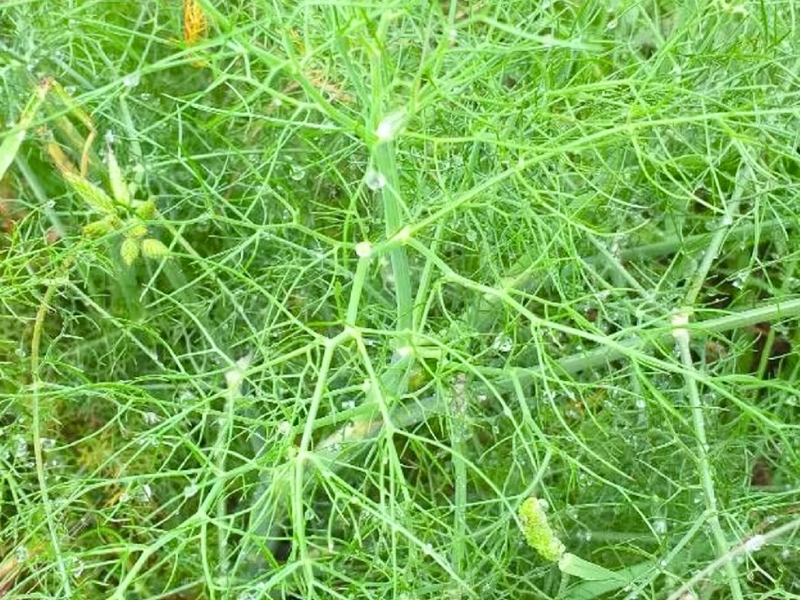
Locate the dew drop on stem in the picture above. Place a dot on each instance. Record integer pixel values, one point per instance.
(374, 180)
(132, 79)
(298, 173)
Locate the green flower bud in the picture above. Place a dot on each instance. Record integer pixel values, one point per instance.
(138, 230)
(129, 250)
(153, 248)
(91, 194)
(145, 209)
(99, 228)
(537, 530)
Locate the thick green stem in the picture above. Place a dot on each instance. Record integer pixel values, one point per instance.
(383, 157)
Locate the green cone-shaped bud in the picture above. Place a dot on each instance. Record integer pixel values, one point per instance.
(153, 248)
(129, 250)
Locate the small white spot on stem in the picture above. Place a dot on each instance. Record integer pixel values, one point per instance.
(363, 249)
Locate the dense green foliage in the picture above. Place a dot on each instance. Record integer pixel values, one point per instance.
(337, 286)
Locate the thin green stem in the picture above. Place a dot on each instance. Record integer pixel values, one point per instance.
(682, 337)
(748, 546)
(459, 433)
(607, 354)
(36, 418)
(703, 462)
(358, 287)
(743, 179)
(303, 455)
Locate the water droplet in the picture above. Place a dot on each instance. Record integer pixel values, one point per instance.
(77, 570)
(189, 491)
(755, 543)
(503, 343)
(390, 126)
(21, 447)
(660, 526)
(147, 492)
(374, 180)
(132, 79)
(363, 249)
(611, 25)
(297, 173)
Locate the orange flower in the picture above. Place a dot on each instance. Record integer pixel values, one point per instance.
(195, 23)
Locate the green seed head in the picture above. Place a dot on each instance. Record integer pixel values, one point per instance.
(129, 250)
(537, 530)
(153, 248)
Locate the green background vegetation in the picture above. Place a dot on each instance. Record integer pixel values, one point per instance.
(253, 405)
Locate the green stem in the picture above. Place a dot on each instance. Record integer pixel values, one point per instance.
(383, 160)
(356, 291)
(703, 463)
(746, 547)
(303, 454)
(603, 356)
(459, 432)
(682, 337)
(36, 417)
(744, 176)
(383, 157)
